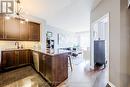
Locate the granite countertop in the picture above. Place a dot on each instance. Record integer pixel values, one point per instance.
(57, 52)
(13, 49)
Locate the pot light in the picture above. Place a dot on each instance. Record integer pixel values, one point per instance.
(26, 20)
(21, 22)
(7, 17)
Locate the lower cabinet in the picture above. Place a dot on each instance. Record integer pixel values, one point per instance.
(24, 57)
(12, 59)
(8, 59)
(53, 68)
(49, 70)
(42, 64)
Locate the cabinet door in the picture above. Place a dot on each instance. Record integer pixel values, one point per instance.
(30, 57)
(8, 59)
(24, 57)
(34, 33)
(42, 67)
(16, 54)
(1, 27)
(49, 68)
(24, 31)
(12, 29)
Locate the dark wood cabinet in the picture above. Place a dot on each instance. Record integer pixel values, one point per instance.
(12, 30)
(24, 31)
(53, 68)
(8, 59)
(42, 64)
(30, 57)
(15, 58)
(1, 27)
(49, 71)
(24, 57)
(34, 32)
(56, 68)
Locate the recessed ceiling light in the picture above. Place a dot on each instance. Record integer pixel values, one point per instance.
(26, 20)
(7, 17)
(21, 22)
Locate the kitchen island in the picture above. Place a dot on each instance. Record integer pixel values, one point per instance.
(53, 67)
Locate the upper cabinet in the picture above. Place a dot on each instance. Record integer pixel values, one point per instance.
(34, 34)
(1, 27)
(24, 31)
(12, 30)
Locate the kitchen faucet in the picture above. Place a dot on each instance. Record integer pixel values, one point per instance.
(17, 44)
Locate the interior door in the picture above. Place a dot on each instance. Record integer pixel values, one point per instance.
(100, 30)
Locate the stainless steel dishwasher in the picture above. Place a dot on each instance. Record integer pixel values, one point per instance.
(36, 60)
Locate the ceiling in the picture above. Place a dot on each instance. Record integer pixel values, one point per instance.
(70, 15)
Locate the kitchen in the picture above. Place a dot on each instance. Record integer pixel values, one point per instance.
(16, 50)
(45, 44)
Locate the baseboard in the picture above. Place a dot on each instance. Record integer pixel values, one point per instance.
(111, 85)
(3, 70)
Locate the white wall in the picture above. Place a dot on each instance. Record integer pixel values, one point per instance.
(72, 15)
(69, 37)
(83, 38)
(113, 7)
(125, 44)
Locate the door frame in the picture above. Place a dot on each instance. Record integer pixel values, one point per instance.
(92, 42)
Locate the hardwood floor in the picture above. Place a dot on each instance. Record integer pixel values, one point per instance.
(81, 76)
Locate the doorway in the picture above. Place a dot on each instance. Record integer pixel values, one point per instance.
(100, 31)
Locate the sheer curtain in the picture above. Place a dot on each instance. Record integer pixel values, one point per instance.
(84, 40)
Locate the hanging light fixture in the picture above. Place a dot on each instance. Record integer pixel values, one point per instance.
(19, 12)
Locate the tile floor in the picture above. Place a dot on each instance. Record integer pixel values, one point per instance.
(81, 76)
(23, 77)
